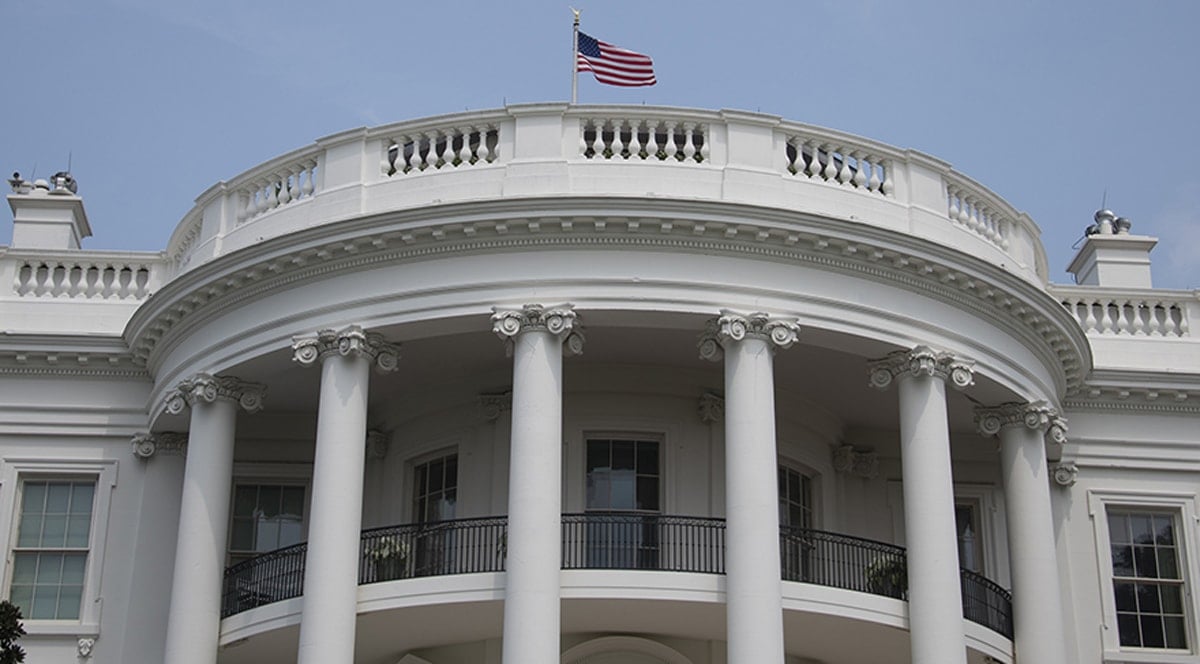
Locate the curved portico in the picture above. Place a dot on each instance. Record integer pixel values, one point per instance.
(889, 265)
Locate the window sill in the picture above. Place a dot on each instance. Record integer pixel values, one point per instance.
(60, 628)
(1150, 657)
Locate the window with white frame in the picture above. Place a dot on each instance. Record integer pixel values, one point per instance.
(795, 498)
(1147, 578)
(50, 553)
(53, 531)
(265, 517)
(967, 523)
(435, 489)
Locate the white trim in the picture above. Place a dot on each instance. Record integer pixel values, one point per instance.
(12, 471)
(1186, 507)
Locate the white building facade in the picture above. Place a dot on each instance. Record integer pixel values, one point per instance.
(596, 384)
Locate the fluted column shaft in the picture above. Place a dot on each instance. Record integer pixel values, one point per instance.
(935, 614)
(193, 623)
(531, 595)
(330, 603)
(1037, 602)
(754, 611)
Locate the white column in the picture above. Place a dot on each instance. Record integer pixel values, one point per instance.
(193, 623)
(1037, 603)
(330, 603)
(535, 337)
(753, 590)
(935, 613)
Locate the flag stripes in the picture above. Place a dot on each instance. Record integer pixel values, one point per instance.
(613, 65)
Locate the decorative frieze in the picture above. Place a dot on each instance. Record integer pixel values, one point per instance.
(559, 320)
(1037, 415)
(146, 445)
(848, 460)
(353, 340)
(207, 388)
(711, 408)
(1065, 473)
(495, 405)
(921, 361)
(731, 326)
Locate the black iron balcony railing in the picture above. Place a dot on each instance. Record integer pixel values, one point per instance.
(609, 540)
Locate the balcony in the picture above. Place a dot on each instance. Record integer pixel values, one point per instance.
(613, 541)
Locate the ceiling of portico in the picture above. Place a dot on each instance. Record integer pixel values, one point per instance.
(825, 371)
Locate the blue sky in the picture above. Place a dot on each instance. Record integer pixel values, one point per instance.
(1050, 104)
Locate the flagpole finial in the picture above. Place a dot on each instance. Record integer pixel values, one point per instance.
(576, 13)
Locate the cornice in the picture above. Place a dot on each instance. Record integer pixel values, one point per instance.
(68, 356)
(1142, 391)
(1006, 300)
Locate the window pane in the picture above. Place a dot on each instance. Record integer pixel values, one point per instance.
(290, 532)
(268, 500)
(77, 530)
(1126, 596)
(34, 501)
(1143, 533)
(647, 458)
(1127, 625)
(267, 537)
(22, 596)
(69, 599)
(597, 455)
(241, 538)
(244, 500)
(647, 493)
(58, 498)
(45, 603)
(1147, 595)
(54, 530)
(598, 490)
(1167, 569)
(435, 476)
(1172, 601)
(49, 569)
(622, 487)
(451, 472)
(1145, 563)
(622, 455)
(1152, 631)
(293, 501)
(1176, 632)
(30, 532)
(1164, 529)
(1122, 558)
(81, 498)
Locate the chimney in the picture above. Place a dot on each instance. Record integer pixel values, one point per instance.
(1111, 257)
(47, 215)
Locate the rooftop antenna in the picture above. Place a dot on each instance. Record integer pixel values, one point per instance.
(68, 161)
(1104, 200)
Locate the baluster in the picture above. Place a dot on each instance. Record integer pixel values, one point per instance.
(142, 279)
(652, 140)
(92, 279)
(58, 276)
(1139, 308)
(584, 127)
(436, 148)
(635, 143)
(672, 146)
(1089, 323)
(284, 188)
(1106, 321)
(391, 153)
(952, 194)
(460, 154)
(126, 278)
(1125, 314)
(888, 186)
(844, 175)
(620, 146)
(108, 276)
(1153, 325)
(814, 159)
(873, 182)
(791, 154)
(294, 175)
(245, 205)
(310, 172)
(272, 194)
(493, 150)
(860, 178)
(420, 152)
(831, 169)
(1179, 316)
(689, 143)
(702, 131)
(75, 280)
(260, 196)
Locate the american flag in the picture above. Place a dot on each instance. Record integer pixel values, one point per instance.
(613, 65)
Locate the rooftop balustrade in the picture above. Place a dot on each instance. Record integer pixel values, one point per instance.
(608, 541)
(552, 150)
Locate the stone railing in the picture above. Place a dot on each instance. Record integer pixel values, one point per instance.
(556, 150)
(99, 276)
(1143, 313)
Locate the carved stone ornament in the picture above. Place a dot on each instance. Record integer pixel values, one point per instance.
(1065, 474)
(377, 444)
(848, 460)
(207, 388)
(559, 320)
(731, 326)
(146, 445)
(85, 646)
(1037, 415)
(494, 405)
(712, 408)
(309, 349)
(921, 361)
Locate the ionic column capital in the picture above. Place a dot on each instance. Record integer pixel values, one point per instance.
(559, 320)
(1065, 474)
(207, 388)
(495, 405)
(711, 408)
(921, 361)
(1036, 415)
(308, 350)
(146, 445)
(731, 327)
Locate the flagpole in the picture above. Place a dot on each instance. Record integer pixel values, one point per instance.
(575, 58)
